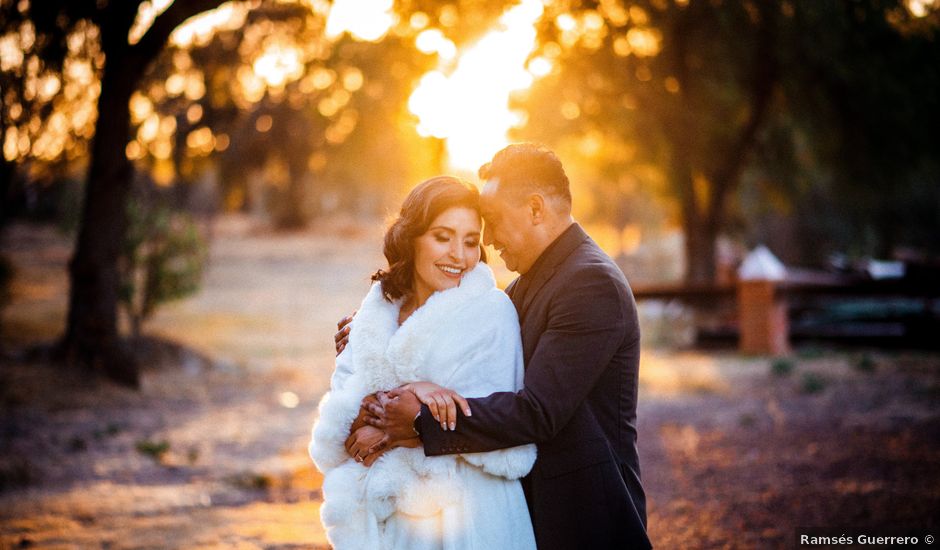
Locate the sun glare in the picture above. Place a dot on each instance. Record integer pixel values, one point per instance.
(279, 64)
(199, 30)
(147, 12)
(920, 8)
(468, 106)
(367, 20)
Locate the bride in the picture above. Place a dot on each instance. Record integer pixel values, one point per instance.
(434, 315)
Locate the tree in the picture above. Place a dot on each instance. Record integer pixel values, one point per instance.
(129, 49)
(91, 338)
(46, 99)
(689, 84)
(710, 91)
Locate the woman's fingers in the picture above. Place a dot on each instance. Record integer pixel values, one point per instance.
(341, 338)
(354, 449)
(464, 405)
(432, 406)
(451, 410)
(378, 446)
(441, 401)
(370, 460)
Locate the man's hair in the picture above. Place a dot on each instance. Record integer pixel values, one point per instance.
(523, 168)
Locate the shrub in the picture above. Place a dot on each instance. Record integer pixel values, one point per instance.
(163, 259)
(865, 363)
(781, 366)
(153, 449)
(812, 383)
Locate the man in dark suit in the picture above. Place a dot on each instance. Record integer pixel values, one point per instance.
(581, 345)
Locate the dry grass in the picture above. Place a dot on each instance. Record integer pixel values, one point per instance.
(733, 455)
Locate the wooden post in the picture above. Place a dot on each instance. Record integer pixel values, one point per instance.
(763, 325)
(762, 319)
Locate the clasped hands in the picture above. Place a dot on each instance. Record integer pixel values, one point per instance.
(386, 419)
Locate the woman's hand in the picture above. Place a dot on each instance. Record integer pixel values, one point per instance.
(411, 443)
(341, 338)
(441, 401)
(363, 439)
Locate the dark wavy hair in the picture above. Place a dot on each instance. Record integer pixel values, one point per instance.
(425, 203)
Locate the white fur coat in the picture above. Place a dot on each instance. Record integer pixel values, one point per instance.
(466, 339)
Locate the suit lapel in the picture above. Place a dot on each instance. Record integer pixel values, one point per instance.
(515, 296)
(547, 264)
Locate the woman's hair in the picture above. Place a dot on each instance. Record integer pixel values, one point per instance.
(425, 203)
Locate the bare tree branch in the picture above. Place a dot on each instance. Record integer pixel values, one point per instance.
(155, 39)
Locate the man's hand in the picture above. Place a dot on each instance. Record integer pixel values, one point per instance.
(441, 401)
(378, 399)
(396, 418)
(341, 338)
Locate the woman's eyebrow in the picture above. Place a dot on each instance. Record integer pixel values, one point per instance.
(452, 230)
(443, 227)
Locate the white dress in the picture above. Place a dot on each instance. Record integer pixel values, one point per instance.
(466, 339)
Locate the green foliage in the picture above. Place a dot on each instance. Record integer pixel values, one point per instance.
(810, 352)
(812, 383)
(111, 430)
(163, 259)
(153, 449)
(865, 363)
(809, 125)
(251, 480)
(782, 366)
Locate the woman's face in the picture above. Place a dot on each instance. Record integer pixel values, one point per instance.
(449, 248)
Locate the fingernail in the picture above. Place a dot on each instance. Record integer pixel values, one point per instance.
(469, 413)
(453, 426)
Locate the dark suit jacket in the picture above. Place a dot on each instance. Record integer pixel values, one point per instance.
(581, 343)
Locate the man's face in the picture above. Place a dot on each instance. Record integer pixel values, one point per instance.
(508, 227)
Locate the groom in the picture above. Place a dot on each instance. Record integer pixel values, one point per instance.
(581, 345)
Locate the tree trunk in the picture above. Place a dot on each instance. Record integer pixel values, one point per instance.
(293, 205)
(91, 339)
(7, 173)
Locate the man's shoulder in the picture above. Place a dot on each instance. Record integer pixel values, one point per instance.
(588, 262)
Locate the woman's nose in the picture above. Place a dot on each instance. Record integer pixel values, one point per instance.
(456, 252)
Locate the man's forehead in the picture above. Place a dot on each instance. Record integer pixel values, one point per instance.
(490, 188)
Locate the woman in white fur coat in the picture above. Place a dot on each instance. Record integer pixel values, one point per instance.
(435, 315)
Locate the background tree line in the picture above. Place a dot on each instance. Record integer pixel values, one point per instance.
(805, 124)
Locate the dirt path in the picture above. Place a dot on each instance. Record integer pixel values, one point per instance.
(211, 453)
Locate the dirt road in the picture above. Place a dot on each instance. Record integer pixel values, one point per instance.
(211, 453)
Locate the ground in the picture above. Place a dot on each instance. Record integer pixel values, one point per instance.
(737, 452)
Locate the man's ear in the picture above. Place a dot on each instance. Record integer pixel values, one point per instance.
(536, 208)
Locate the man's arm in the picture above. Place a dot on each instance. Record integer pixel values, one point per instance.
(587, 324)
